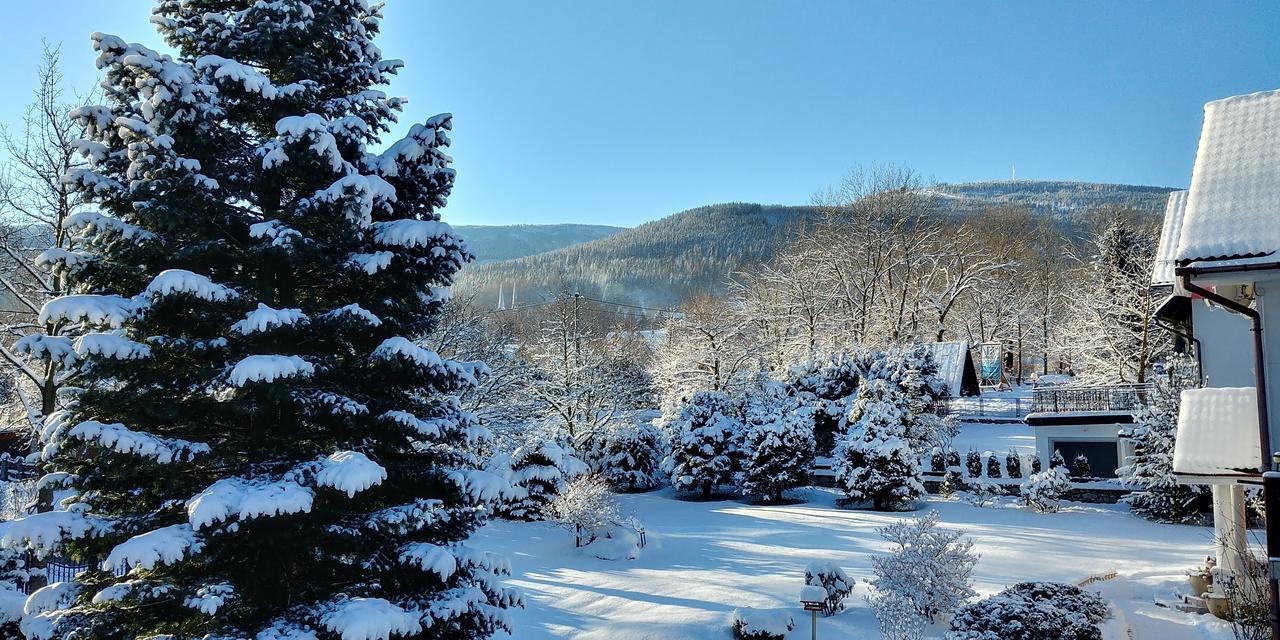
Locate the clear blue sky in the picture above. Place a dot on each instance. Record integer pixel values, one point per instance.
(621, 112)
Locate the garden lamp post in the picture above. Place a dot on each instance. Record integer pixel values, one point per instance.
(813, 597)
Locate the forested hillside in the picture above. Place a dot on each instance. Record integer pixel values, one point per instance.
(509, 241)
(663, 262)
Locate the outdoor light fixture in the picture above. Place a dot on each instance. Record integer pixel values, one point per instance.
(812, 597)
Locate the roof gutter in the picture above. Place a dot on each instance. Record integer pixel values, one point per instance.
(1259, 360)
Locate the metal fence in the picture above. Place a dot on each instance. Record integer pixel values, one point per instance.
(1116, 397)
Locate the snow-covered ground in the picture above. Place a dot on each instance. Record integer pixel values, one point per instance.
(706, 558)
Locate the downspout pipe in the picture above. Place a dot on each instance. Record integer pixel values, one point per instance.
(1259, 359)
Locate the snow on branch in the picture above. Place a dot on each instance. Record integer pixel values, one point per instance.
(110, 345)
(91, 223)
(39, 346)
(269, 368)
(371, 619)
(165, 545)
(247, 499)
(411, 233)
(398, 346)
(90, 309)
(350, 472)
(44, 532)
(424, 141)
(294, 129)
(365, 191)
(355, 311)
(265, 318)
(432, 558)
(480, 486)
(171, 281)
(118, 437)
(247, 77)
(371, 263)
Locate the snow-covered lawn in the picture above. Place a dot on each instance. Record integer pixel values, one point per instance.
(706, 558)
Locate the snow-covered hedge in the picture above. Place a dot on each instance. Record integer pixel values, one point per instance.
(761, 624)
(1032, 611)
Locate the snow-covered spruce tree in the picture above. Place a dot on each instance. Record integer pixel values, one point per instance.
(538, 471)
(631, 454)
(704, 440)
(929, 565)
(827, 384)
(777, 442)
(258, 447)
(1157, 494)
(874, 462)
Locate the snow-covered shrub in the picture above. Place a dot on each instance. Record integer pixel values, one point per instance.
(833, 580)
(537, 471)
(937, 461)
(631, 455)
(1036, 467)
(1056, 460)
(1032, 611)
(704, 440)
(1080, 466)
(993, 465)
(953, 458)
(761, 624)
(1013, 464)
(1157, 494)
(1044, 491)
(874, 462)
(973, 464)
(952, 482)
(586, 507)
(897, 616)
(777, 443)
(981, 492)
(928, 565)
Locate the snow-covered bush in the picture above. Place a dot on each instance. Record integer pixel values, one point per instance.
(1056, 460)
(953, 458)
(833, 580)
(1044, 491)
(952, 482)
(1157, 494)
(1013, 464)
(897, 616)
(538, 471)
(981, 492)
(704, 441)
(973, 464)
(937, 461)
(993, 465)
(1032, 611)
(874, 461)
(586, 507)
(777, 443)
(761, 624)
(631, 454)
(1080, 466)
(1036, 466)
(928, 565)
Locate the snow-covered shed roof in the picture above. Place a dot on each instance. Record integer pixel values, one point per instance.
(1233, 210)
(954, 363)
(1174, 209)
(1217, 432)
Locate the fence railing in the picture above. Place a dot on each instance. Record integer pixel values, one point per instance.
(14, 468)
(1116, 397)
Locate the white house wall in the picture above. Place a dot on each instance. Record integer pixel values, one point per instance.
(1268, 304)
(1226, 346)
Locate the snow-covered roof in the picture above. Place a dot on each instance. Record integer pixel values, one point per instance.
(1174, 209)
(1217, 432)
(1234, 203)
(951, 358)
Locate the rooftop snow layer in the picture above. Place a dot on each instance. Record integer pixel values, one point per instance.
(950, 358)
(1217, 432)
(1233, 209)
(1174, 211)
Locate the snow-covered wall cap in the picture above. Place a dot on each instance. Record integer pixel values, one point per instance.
(1217, 432)
(1174, 209)
(1233, 209)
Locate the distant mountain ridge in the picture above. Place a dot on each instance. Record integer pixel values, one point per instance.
(506, 242)
(662, 262)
